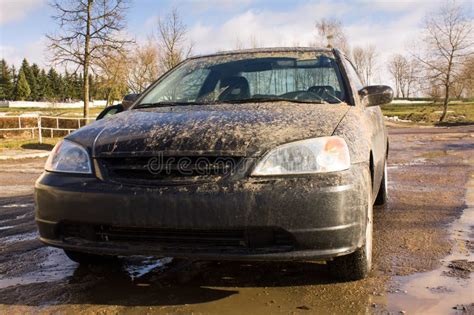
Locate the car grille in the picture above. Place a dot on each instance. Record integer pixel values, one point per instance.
(168, 170)
(183, 239)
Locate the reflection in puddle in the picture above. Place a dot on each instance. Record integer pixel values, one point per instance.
(434, 292)
(56, 267)
(17, 205)
(19, 237)
(139, 266)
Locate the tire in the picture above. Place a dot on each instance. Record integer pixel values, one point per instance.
(90, 259)
(382, 195)
(357, 265)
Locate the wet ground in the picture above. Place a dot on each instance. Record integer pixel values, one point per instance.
(423, 252)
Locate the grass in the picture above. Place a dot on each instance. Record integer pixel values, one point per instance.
(28, 144)
(458, 113)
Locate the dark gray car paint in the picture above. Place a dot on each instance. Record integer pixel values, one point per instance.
(322, 207)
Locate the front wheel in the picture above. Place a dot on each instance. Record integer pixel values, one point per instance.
(358, 264)
(89, 259)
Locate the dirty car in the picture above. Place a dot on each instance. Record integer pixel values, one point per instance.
(268, 154)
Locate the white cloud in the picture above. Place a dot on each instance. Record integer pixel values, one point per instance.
(407, 5)
(224, 5)
(266, 27)
(34, 52)
(390, 34)
(14, 10)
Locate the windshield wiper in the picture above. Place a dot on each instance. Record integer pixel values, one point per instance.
(270, 99)
(163, 104)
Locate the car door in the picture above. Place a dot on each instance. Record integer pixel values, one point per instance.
(374, 127)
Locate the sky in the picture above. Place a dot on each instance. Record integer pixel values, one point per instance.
(215, 25)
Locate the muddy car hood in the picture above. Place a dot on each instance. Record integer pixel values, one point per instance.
(232, 130)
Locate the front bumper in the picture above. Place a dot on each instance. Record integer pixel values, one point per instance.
(319, 217)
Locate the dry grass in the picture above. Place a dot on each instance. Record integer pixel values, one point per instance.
(28, 144)
(458, 113)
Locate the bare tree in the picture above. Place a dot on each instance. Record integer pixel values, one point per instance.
(404, 73)
(143, 67)
(448, 42)
(87, 31)
(464, 80)
(365, 60)
(397, 67)
(331, 34)
(113, 73)
(413, 80)
(174, 45)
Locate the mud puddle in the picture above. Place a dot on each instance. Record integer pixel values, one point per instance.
(54, 268)
(450, 288)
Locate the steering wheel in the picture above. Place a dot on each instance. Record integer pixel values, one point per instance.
(324, 92)
(308, 95)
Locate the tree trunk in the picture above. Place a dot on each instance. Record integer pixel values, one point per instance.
(445, 104)
(109, 96)
(447, 85)
(87, 60)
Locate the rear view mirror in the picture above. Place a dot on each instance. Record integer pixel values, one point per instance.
(375, 95)
(111, 110)
(129, 99)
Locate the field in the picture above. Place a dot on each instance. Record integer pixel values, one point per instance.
(458, 113)
(27, 144)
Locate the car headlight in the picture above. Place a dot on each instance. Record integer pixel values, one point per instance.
(69, 157)
(317, 155)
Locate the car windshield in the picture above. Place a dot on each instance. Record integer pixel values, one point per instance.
(308, 77)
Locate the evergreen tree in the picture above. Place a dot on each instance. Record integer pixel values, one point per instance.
(54, 85)
(34, 86)
(79, 86)
(15, 81)
(43, 86)
(6, 81)
(61, 87)
(75, 86)
(92, 88)
(26, 69)
(22, 87)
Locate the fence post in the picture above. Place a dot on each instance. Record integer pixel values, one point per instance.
(40, 138)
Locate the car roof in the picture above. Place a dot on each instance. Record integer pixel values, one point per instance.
(264, 50)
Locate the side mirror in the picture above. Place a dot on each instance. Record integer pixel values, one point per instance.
(111, 110)
(129, 99)
(375, 95)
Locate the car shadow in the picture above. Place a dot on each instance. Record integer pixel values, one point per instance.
(37, 146)
(179, 283)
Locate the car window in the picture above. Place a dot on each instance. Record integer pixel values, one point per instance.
(292, 76)
(180, 86)
(282, 81)
(353, 75)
